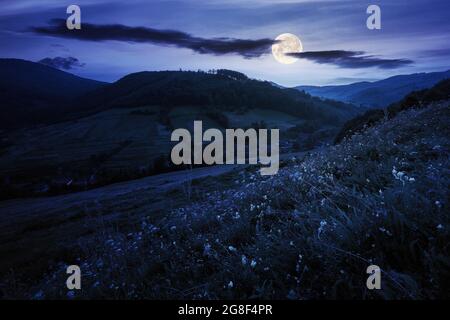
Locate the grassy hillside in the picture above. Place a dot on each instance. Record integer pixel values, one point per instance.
(115, 145)
(379, 197)
(416, 99)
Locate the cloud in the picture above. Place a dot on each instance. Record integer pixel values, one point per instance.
(350, 59)
(62, 63)
(214, 46)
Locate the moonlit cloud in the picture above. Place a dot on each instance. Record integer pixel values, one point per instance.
(351, 59)
(215, 46)
(413, 32)
(65, 63)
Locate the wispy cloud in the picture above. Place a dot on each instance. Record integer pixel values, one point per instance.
(351, 59)
(65, 63)
(215, 46)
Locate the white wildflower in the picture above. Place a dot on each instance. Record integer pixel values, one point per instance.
(207, 249)
(39, 295)
(323, 223)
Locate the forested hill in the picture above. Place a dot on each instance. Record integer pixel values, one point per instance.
(222, 89)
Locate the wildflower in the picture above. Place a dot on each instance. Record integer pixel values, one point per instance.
(253, 263)
(292, 295)
(244, 260)
(439, 227)
(232, 249)
(207, 249)
(385, 231)
(39, 295)
(323, 223)
(230, 284)
(296, 213)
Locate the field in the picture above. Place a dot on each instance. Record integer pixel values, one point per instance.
(114, 145)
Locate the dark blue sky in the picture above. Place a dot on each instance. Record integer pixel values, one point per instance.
(413, 30)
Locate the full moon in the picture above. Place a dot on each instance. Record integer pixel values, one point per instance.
(287, 43)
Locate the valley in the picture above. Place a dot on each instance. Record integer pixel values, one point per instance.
(121, 131)
(94, 188)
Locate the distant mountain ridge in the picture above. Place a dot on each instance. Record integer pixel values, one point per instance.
(31, 92)
(379, 93)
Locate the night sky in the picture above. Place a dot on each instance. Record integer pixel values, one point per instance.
(121, 37)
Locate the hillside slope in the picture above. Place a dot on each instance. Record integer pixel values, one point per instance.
(309, 232)
(416, 99)
(224, 90)
(31, 92)
(379, 93)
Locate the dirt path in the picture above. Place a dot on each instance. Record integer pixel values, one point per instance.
(157, 183)
(36, 231)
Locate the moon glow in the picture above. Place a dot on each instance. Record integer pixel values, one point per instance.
(288, 43)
